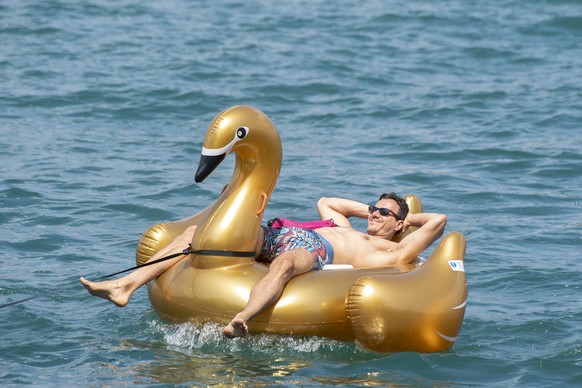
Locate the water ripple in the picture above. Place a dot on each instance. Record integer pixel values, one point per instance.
(474, 107)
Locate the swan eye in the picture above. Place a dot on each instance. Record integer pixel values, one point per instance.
(241, 132)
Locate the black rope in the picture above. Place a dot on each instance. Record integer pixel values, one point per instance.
(19, 301)
(187, 251)
(169, 257)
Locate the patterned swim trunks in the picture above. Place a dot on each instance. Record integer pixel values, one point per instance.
(277, 241)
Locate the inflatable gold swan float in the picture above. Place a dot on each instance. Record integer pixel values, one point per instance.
(390, 309)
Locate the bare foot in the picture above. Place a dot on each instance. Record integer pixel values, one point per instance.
(236, 328)
(107, 290)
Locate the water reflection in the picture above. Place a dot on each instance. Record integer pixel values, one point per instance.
(200, 355)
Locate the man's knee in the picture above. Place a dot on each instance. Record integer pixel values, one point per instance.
(189, 232)
(186, 236)
(293, 262)
(283, 265)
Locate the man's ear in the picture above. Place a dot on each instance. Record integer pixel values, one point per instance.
(399, 226)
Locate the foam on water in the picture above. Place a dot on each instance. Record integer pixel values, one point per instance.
(208, 338)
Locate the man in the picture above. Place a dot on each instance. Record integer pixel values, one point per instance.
(294, 251)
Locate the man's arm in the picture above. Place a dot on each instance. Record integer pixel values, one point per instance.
(340, 209)
(430, 228)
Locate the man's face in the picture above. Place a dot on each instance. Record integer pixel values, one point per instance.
(384, 226)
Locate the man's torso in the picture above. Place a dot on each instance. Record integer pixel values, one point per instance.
(357, 248)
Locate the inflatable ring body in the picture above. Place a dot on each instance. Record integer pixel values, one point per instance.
(400, 308)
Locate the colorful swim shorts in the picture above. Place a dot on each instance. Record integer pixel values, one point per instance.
(277, 241)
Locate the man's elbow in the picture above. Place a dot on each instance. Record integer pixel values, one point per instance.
(441, 220)
(322, 206)
(323, 203)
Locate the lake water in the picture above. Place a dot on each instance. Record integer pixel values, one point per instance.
(476, 107)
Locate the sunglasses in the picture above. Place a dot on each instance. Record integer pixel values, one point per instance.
(384, 211)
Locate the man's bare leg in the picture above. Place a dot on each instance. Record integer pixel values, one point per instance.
(269, 288)
(119, 291)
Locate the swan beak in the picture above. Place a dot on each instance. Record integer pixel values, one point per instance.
(206, 165)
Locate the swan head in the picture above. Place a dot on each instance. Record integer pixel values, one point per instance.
(243, 130)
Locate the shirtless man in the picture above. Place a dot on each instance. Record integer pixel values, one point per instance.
(292, 251)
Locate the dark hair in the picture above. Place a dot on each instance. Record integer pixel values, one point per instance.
(403, 212)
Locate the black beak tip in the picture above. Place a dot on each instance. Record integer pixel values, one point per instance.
(206, 165)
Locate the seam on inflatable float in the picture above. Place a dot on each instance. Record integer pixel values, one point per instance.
(446, 337)
(461, 305)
